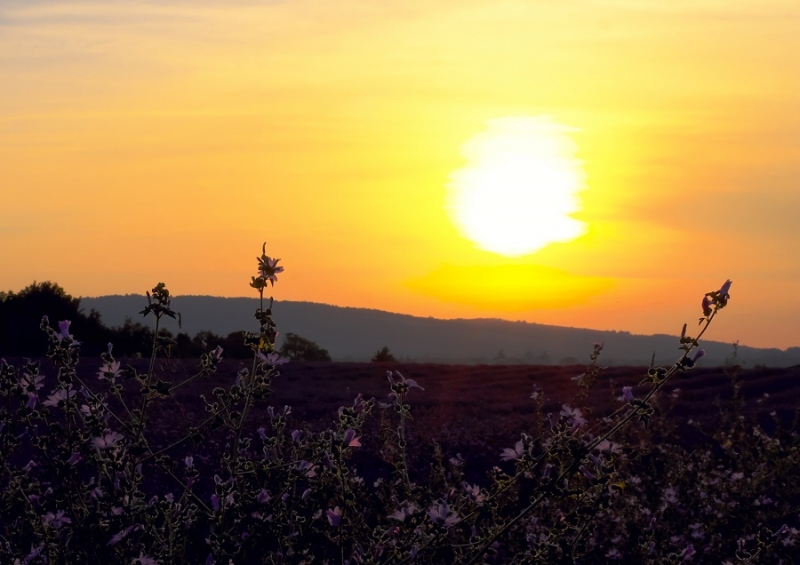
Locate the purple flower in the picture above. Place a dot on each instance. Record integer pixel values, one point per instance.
(56, 520)
(108, 441)
(59, 396)
(109, 371)
(350, 439)
(688, 553)
(406, 510)
(32, 383)
(189, 461)
(410, 383)
(35, 552)
(74, 459)
(627, 393)
(474, 492)
(334, 516)
(144, 560)
(63, 329)
(724, 290)
(307, 469)
(698, 355)
(272, 359)
(63, 333)
(119, 536)
(574, 415)
(509, 454)
(217, 353)
(440, 514)
(268, 267)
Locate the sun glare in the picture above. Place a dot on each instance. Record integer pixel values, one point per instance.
(519, 186)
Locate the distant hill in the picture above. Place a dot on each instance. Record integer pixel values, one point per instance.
(355, 334)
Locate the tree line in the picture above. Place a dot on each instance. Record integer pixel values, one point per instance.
(20, 333)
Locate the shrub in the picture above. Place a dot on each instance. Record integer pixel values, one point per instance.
(88, 477)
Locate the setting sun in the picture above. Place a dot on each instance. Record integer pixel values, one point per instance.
(517, 191)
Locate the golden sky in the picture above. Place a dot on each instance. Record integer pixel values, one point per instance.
(165, 141)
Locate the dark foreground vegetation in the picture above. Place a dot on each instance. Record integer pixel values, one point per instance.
(162, 460)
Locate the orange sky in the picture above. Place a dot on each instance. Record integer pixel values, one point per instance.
(165, 141)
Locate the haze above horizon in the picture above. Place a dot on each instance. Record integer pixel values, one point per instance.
(390, 153)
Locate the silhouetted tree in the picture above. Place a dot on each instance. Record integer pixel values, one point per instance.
(384, 356)
(21, 314)
(301, 349)
(132, 338)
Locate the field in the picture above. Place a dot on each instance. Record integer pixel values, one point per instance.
(474, 410)
(156, 461)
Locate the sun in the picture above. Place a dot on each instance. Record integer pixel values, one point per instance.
(519, 187)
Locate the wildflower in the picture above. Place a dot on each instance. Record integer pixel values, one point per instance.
(108, 441)
(74, 459)
(688, 553)
(63, 333)
(189, 461)
(440, 514)
(627, 393)
(59, 396)
(474, 492)
(268, 267)
(509, 454)
(698, 355)
(119, 536)
(109, 371)
(217, 353)
(63, 330)
(574, 415)
(35, 552)
(334, 516)
(272, 359)
(32, 383)
(144, 560)
(724, 290)
(406, 510)
(56, 520)
(410, 383)
(350, 439)
(307, 469)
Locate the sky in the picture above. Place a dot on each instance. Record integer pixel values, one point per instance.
(143, 142)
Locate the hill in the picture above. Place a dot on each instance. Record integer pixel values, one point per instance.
(355, 334)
